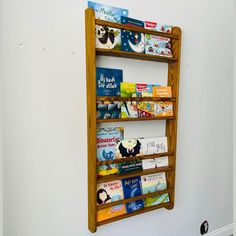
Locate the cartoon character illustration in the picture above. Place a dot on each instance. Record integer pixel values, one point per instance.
(129, 148)
(107, 155)
(102, 196)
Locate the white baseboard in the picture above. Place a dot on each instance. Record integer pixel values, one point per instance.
(224, 231)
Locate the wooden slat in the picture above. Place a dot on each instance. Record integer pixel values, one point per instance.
(134, 55)
(108, 178)
(136, 29)
(91, 121)
(124, 201)
(140, 211)
(117, 98)
(135, 119)
(99, 163)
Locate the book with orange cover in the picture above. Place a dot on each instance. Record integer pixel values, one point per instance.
(163, 108)
(162, 91)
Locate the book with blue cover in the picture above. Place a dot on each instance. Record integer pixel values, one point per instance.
(132, 41)
(132, 188)
(107, 139)
(108, 110)
(108, 81)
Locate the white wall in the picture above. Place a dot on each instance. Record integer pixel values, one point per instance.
(45, 165)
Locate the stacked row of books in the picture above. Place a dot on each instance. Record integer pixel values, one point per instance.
(129, 41)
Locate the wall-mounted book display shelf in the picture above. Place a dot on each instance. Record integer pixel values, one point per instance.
(92, 121)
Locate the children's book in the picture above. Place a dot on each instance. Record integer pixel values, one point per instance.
(108, 110)
(132, 188)
(162, 91)
(108, 37)
(162, 108)
(129, 109)
(107, 139)
(162, 161)
(110, 192)
(108, 81)
(145, 90)
(154, 182)
(129, 166)
(128, 148)
(132, 41)
(104, 170)
(152, 201)
(153, 145)
(107, 13)
(145, 109)
(127, 89)
(155, 45)
(157, 27)
(155, 162)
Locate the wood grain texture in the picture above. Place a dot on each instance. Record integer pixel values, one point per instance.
(171, 125)
(134, 158)
(123, 99)
(131, 199)
(91, 118)
(135, 55)
(173, 35)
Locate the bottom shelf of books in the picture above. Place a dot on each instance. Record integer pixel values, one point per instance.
(130, 187)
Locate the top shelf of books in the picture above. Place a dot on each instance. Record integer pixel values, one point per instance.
(135, 29)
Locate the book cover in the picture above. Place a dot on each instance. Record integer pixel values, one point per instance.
(129, 109)
(155, 45)
(107, 139)
(162, 91)
(155, 162)
(106, 12)
(110, 192)
(145, 90)
(127, 89)
(104, 170)
(145, 109)
(162, 161)
(132, 188)
(153, 145)
(128, 148)
(108, 37)
(154, 182)
(157, 27)
(108, 110)
(129, 166)
(132, 41)
(152, 201)
(108, 81)
(162, 108)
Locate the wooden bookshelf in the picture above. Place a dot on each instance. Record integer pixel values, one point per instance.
(92, 122)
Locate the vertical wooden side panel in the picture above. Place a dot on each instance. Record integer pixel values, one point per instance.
(171, 125)
(91, 117)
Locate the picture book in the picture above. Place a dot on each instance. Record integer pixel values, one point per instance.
(111, 212)
(155, 162)
(132, 41)
(145, 90)
(129, 109)
(110, 192)
(108, 37)
(155, 45)
(154, 182)
(107, 139)
(104, 170)
(153, 145)
(162, 108)
(108, 81)
(128, 148)
(108, 110)
(145, 109)
(157, 27)
(129, 166)
(162, 91)
(127, 89)
(107, 13)
(132, 188)
(152, 201)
